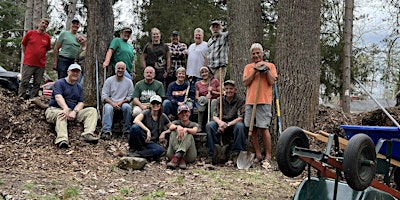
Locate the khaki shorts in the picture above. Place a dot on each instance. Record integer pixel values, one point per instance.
(262, 118)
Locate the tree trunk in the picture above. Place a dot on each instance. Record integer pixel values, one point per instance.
(100, 26)
(298, 61)
(71, 7)
(44, 9)
(37, 12)
(348, 38)
(245, 28)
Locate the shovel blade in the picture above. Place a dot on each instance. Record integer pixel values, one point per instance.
(245, 160)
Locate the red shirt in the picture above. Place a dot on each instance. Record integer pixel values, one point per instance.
(36, 46)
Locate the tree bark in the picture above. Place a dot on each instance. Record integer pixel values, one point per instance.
(347, 49)
(245, 28)
(71, 7)
(101, 28)
(298, 61)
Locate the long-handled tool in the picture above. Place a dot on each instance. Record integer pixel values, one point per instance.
(245, 158)
(278, 109)
(97, 91)
(209, 102)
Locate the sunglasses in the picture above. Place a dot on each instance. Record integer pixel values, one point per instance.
(155, 103)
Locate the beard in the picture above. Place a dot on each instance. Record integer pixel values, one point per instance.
(216, 33)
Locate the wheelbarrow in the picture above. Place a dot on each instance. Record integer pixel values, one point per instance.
(345, 170)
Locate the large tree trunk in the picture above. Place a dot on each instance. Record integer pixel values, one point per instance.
(71, 11)
(348, 38)
(298, 61)
(37, 14)
(100, 28)
(245, 28)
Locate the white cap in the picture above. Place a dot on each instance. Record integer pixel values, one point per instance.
(74, 66)
(155, 98)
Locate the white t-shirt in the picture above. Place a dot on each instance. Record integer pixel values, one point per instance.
(196, 58)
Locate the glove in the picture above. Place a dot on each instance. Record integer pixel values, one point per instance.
(262, 68)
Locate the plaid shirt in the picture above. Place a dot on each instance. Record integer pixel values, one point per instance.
(178, 56)
(218, 51)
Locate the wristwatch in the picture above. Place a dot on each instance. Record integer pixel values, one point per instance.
(76, 111)
(227, 124)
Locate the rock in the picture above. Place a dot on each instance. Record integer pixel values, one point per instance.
(134, 163)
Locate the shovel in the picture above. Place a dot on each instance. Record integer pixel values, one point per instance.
(245, 158)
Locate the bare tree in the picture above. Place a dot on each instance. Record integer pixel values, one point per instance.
(298, 61)
(347, 49)
(245, 28)
(101, 29)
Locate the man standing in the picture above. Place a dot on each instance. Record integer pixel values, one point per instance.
(35, 45)
(66, 104)
(218, 50)
(267, 74)
(230, 122)
(69, 46)
(197, 55)
(145, 89)
(178, 56)
(116, 95)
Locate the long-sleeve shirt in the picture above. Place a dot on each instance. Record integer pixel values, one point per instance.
(117, 90)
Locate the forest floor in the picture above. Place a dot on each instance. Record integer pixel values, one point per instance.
(32, 167)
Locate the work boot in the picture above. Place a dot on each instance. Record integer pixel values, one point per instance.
(173, 163)
(208, 160)
(106, 135)
(89, 138)
(63, 144)
(182, 163)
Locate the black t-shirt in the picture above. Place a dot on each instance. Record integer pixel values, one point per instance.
(154, 127)
(156, 55)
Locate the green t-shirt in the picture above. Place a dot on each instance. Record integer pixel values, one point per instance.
(69, 45)
(124, 52)
(144, 91)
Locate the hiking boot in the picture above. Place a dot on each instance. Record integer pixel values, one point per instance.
(89, 138)
(106, 135)
(234, 156)
(208, 160)
(63, 144)
(173, 163)
(182, 163)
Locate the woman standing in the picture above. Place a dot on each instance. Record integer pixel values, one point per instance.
(120, 50)
(147, 130)
(207, 90)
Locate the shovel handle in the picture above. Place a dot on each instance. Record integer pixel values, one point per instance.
(253, 112)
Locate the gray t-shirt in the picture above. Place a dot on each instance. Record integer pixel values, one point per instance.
(117, 90)
(154, 126)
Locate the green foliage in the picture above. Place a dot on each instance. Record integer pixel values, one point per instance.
(71, 193)
(11, 31)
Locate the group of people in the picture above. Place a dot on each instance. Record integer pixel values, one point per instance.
(150, 106)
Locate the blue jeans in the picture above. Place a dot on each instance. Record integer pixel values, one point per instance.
(62, 66)
(137, 142)
(239, 136)
(108, 111)
(170, 108)
(127, 75)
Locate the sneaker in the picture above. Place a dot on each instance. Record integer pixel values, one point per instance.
(208, 160)
(173, 163)
(63, 144)
(106, 135)
(182, 163)
(89, 138)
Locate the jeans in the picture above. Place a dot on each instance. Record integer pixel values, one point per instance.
(62, 66)
(127, 75)
(239, 136)
(138, 142)
(109, 114)
(170, 108)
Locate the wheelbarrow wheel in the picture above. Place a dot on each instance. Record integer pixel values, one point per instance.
(359, 162)
(289, 164)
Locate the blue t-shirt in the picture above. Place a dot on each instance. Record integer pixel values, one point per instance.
(176, 93)
(72, 94)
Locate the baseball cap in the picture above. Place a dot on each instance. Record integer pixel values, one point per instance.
(183, 108)
(175, 33)
(75, 20)
(206, 68)
(216, 22)
(155, 98)
(232, 82)
(127, 29)
(74, 66)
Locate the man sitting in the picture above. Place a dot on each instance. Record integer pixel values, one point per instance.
(145, 89)
(66, 104)
(231, 121)
(116, 95)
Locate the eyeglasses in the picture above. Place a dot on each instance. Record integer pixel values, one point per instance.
(155, 103)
